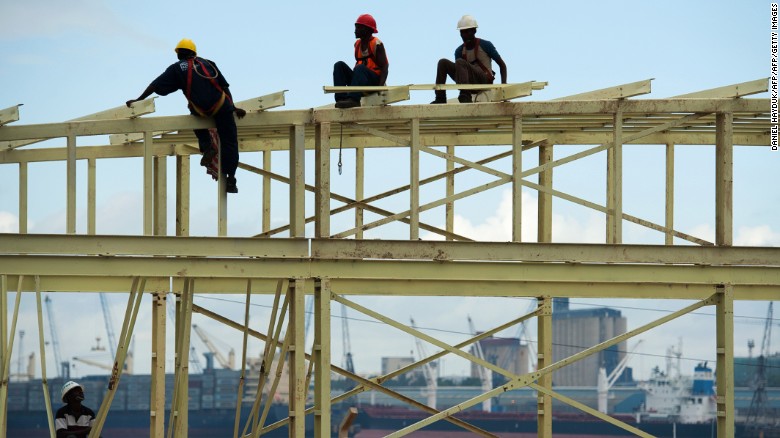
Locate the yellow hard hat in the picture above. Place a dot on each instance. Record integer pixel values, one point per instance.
(185, 43)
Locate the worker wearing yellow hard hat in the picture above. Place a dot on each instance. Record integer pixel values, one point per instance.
(208, 94)
(371, 63)
(473, 62)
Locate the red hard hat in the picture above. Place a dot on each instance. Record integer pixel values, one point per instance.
(368, 21)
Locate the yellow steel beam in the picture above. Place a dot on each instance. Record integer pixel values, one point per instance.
(616, 92)
(736, 90)
(9, 115)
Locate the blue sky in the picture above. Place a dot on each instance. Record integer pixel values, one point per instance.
(63, 60)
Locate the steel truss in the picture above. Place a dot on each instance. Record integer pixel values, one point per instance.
(334, 269)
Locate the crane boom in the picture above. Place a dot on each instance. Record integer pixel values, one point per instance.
(93, 363)
(759, 417)
(485, 375)
(428, 371)
(112, 344)
(62, 368)
(228, 363)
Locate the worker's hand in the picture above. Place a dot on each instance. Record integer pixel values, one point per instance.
(239, 113)
(130, 102)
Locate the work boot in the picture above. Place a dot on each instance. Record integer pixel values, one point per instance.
(230, 185)
(207, 157)
(465, 98)
(441, 97)
(349, 103)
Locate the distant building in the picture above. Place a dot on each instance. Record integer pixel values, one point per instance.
(576, 330)
(507, 353)
(390, 364)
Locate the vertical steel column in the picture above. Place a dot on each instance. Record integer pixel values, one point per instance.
(321, 357)
(42, 351)
(297, 362)
(297, 181)
(266, 192)
(148, 184)
(517, 186)
(3, 347)
(544, 226)
(449, 209)
(9, 348)
(160, 196)
(724, 318)
(615, 182)
(414, 181)
(360, 179)
(222, 199)
(322, 180)
(724, 178)
(544, 359)
(183, 195)
(91, 196)
(157, 402)
(23, 179)
(70, 223)
(669, 223)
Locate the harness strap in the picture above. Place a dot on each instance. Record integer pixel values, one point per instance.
(218, 105)
(488, 72)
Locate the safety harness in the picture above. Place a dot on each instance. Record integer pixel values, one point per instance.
(488, 72)
(370, 60)
(187, 92)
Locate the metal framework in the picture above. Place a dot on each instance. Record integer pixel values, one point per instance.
(334, 269)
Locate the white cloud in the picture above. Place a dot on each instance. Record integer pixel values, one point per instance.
(9, 223)
(761, 235)
(589, 228)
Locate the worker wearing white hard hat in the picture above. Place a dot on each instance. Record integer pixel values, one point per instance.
(74, 419)
(473, 62)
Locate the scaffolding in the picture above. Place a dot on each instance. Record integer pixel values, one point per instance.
(335, 261)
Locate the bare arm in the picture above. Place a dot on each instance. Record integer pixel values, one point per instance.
(381, 62)
(502, 69)
(148, 92)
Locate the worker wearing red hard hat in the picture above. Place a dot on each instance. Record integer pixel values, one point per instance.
(472, 62)
(208, 94)
(370, 63)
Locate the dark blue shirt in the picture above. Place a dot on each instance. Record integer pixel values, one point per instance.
(203, 93)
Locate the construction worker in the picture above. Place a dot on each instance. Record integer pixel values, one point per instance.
(74, 419)
(472, 62)
(208, 94)
(370, 63)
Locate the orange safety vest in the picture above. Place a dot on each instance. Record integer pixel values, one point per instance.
(370, 60)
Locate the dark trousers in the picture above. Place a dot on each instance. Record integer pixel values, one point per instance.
(461, 72)
(228, 139)
(361, 76)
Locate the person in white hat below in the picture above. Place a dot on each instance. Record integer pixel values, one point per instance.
(74, 419)
(473, 62)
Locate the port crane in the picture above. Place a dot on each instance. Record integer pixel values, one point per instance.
(605, 381)
(63, 367)
(759, 418)
(485, 375)
(229, 363)
(428, 371)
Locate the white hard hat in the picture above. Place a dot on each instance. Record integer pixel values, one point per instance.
(70, 384)
(467, 22)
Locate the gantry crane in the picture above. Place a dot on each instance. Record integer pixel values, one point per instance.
(605, 381)
(112, 344)
(428, 371)
(63, 368)
(759, 418)
(485, 375)
(229, 363)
